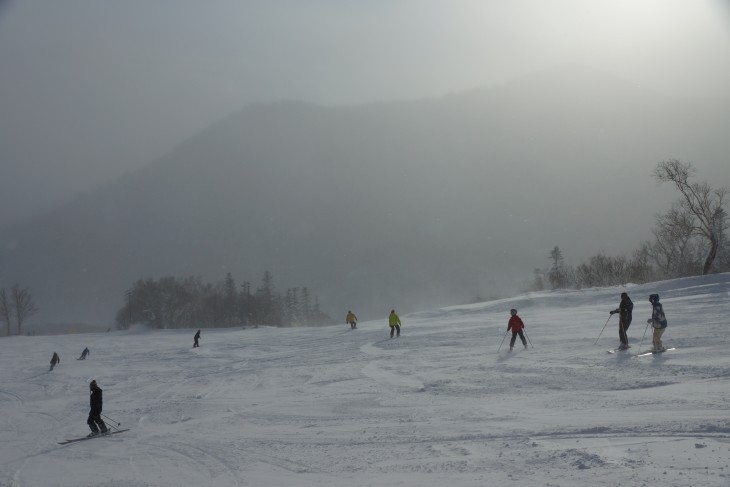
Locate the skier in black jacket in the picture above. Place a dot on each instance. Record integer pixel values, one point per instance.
(55, 360)
(95, 422)
(195, 339)
(625, 307)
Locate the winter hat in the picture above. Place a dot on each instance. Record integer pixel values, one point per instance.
(653, 298)
(624, 295)
(92, 384)
(513, 311)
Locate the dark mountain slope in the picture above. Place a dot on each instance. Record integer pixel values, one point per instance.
(404, 205)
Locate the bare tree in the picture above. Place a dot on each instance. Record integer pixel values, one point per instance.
(701, 207)
(723, 255)
(23, 305)
(640, 269)
(675, 249)
(6, 309)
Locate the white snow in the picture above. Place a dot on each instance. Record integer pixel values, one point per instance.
(438, 406)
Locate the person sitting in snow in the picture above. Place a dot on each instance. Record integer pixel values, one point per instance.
(658, 322)
(351, 319)
(55, 360)
(95, 422)
(624, 310)
(84, 354)
(516, 325)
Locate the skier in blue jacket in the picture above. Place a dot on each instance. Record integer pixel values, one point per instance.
(658, 322)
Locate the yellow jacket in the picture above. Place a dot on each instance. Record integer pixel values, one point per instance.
(351, 317)
(393, 319)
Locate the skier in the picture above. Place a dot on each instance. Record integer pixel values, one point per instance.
(196, 338)
(351, 320)
(658, 322)
(394, 323)
(84, 354)
(624, 310)
(95, 401)
(55, 360)
(516, 325)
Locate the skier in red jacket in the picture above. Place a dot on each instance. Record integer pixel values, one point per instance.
(516, 325)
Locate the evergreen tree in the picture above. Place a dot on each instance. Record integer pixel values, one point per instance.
(305, 306)
(230, 301)
(6, 309)
(268, 309)
(557, 274)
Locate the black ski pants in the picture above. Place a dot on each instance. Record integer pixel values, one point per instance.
(623, 326)
(393, 329)
(514, 337)
(95, 422)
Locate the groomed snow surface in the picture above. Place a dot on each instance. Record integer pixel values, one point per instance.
(338, 407)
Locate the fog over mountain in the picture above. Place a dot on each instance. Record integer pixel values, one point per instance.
(406, 204)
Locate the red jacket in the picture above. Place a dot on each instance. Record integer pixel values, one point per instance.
(516, 324)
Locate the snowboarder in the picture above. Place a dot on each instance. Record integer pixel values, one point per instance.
(394, 323)
(195, 339)
(658, 322)
(55, 360)
(95, 402)
(624, 310)
(351, 320)
(84, 354)
(516, 325)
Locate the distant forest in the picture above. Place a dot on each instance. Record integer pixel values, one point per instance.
(171, 302)
(690, 239)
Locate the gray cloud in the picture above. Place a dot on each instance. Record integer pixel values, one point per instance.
(91, 90)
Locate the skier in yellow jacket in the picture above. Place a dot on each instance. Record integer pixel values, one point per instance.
(351, 320)
(394, 323)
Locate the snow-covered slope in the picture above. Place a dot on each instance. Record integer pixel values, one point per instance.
(334, 406)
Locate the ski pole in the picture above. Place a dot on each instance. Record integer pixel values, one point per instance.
(110, 419)
(604, 327)
(642, 338)
(505, 336)
(528, 338)
(623, 331)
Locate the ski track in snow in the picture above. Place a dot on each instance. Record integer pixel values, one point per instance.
(327, 406)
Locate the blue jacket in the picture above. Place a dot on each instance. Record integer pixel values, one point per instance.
(658, 320)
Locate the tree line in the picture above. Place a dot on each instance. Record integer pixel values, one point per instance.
(16, 304)
(690, 238)
(172, 302)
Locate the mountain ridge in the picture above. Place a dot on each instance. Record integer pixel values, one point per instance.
(406, 204)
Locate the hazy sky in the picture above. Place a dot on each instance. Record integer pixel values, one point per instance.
(90, 89)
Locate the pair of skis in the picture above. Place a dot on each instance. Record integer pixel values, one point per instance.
(654, 352)
(641, 354)
(74, 440)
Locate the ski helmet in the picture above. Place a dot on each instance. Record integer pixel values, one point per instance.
(513, 311)
(653, 298)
